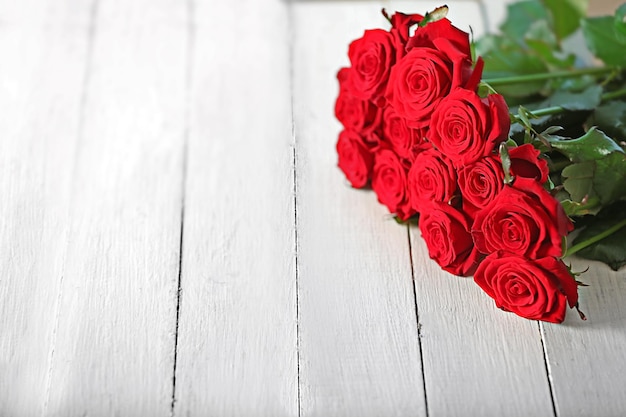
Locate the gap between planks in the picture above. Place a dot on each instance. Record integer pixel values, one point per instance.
(191, 32)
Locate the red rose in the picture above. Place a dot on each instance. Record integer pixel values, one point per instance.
(419, 80)
(389, 183)
(354, 114)
(400, 25)
(525, 162)
(432, 179)
(355, 160)
(404, 140)
(536, 289)
(372, 57)
(466, 127)
(524, 220)
(425, 36)
(446, 233)
(480, 182)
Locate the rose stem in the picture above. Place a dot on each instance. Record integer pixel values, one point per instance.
(548, 111)
(595, 238)
(521, 79)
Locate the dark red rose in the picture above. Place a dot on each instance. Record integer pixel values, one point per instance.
(525, 162)
(446, 232)
(432, 179)
(480, 182)
(356, 114)
(404, 140)
(424, 76)
(426, 35)
(390, 183)
(537, 289)
(523, 220)
(371, 57)
(355, 160)
(466, 127)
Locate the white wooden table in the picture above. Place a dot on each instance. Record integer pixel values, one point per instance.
(175, 237)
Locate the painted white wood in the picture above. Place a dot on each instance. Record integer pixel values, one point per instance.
(237, 353)
(43, 50)
(586, 358)
(113, 348)
(478, 360)
(359, 350)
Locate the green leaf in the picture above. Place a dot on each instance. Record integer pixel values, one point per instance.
(603, 41)
(611, 118)
(579, 183)
(521, 15)
(612, 249)
(566, 15)
(619, 25)
(574, 209)
(593, 145)
(588, 99)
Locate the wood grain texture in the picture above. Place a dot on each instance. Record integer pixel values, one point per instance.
(114, 344)
(43, 45)
(587, 363)
(237, 331)
(359, 351)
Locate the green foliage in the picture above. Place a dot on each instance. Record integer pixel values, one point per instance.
(611, 118)
(610, 249)
(566, 15)
(604, 41)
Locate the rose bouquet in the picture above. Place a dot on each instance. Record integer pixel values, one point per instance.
(500, 159)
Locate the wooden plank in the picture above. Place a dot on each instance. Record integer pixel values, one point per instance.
(586, 358)
(114, 344)
(237, 330)
(359, 351)
(43, 45)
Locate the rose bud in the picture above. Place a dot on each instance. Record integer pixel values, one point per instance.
(525, 162)
(523, 219)
(390, 183)
(432, 179)
(537, 289)
(425, 36)
(355, 160)
(446, 232)
(466, 127)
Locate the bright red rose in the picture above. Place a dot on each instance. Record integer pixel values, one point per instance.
(525, 162)
(537, 289)
(466, 127)
(419, 81)
(404, 140)
(426, 35)
(389, 182)
(432, 179)
(355, 114)
(371, 57)
(355, 160)
(480, 182)
(523, 220)
(446, 232)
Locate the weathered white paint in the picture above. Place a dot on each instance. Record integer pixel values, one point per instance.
(113, 347)
(43, 54)
(237, 333)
